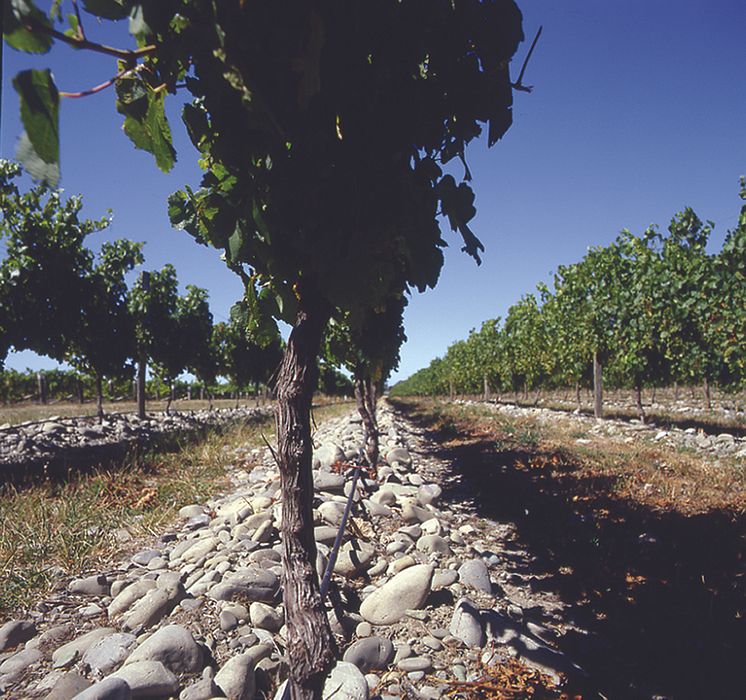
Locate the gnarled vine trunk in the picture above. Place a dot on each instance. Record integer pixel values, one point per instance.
(141, 366)
(365, 399)
(638, 401)
(99, 398)
(310, 643)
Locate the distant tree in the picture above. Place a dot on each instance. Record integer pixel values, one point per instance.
(369, 349)
(104, 344)
(728, 317)
(152, 304)
(43, 273)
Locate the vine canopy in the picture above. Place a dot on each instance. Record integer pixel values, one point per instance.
(323, 130)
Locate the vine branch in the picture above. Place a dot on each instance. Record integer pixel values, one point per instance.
(102, 86)
(128, 55)
(518, 85)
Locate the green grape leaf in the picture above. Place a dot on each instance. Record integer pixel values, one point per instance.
(40, 104)
(145, 120)
(16, 13)
(108, 9)
(39, 169)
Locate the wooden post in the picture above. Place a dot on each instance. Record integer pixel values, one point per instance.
(142, 362)
(598, 397)
(41, 383)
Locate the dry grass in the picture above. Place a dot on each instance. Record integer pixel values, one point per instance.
(656, 476)
(51, 530)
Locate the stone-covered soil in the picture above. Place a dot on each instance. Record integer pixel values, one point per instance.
(58, 443)
(426, 594)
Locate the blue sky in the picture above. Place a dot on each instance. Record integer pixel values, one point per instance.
(638, 110)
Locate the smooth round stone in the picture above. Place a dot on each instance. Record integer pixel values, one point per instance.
(65, 686)
(260, 503)
(228, 621)
(190, 511)
(201, 548)
(143, 557)
(148, 679)
(345, 682)
(198, 522)
(377, 510)
(16, 632)
(432, 527)
(328, 482)
(157, 563)
(444, 578)
(407, 590)
(474, 573)
(402, 563)
(90, 610)
(396, 547)
(236, 678)
(373, 681)
(108, 653)
(466, 624)
(327, 455)
(413, 531)
(378, 568)
(403, 651)
(433, 544)
(262, 556)
(432, 643)
(415, 479)
(325, 534)
(265, 617)
(384, 497)
(370, 653)
(20, 661)
(70, 652)
(108, 689)
(456, 538)
(354, 558)
(252, 583)
(400, 455)
(332, 512)
(415, 514)
(364, 629)
(97, 585)
(415, 663)
(203, 689)
(429, 494)
(173, 646)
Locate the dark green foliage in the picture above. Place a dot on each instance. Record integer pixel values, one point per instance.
(655, 308)
(46, 269)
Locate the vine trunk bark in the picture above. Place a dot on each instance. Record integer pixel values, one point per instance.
(141, 366)
(99, 398)
(366, 405)
(310, 643)
(638, 401)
